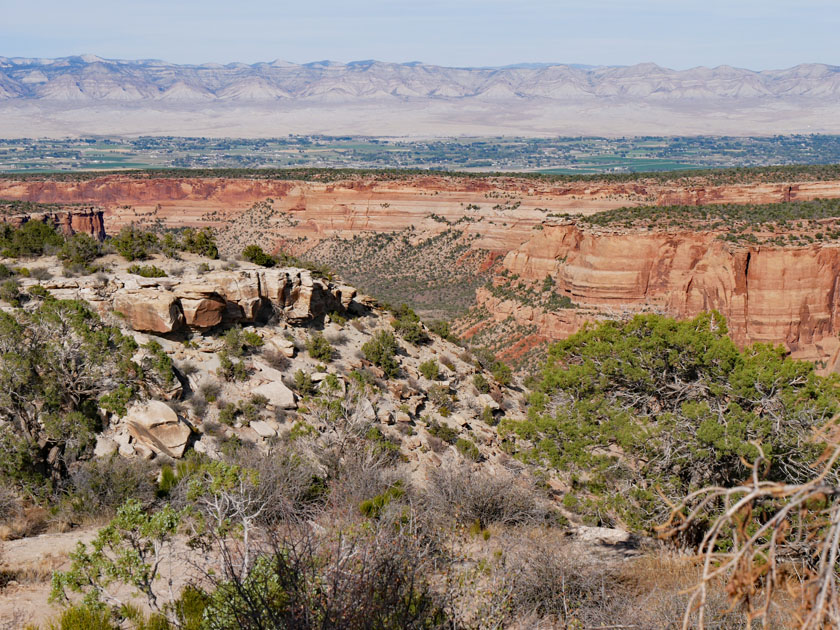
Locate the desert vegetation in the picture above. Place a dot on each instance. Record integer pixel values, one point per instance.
(786, 223)
(247, 453)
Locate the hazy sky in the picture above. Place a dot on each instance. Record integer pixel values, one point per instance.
(757, 34)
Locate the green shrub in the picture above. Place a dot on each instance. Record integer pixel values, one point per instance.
(441, 329)
(33, 238)
(82, 617)
(468, 449)
(319, 348)
(147, 271)
(442, 432)
(381, 350)
(303, 383)
(132, 243)
(481, 383)
(230, 369)
(407, 325)
(10, 292)
(372, 508)
(430, 369)
(80, 249)
(36, 290)
(501, 372)
(201, 242)
(160, 363)
(255, 254)
(683, 405)
(240, 342)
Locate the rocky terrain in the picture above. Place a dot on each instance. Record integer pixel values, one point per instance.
(222, 411)
(183, 313)
(450, 235)
(90, 95)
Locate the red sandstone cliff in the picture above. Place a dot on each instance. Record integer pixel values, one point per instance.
(502, 211)
(768, 294)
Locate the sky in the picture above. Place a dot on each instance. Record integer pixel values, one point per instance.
(680, 34)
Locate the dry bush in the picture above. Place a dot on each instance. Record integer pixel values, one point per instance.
(10, 505)
(277, 360)
(364, 474)
(531, 578)
(359, 325)
(40, 273)
(458, 492)
(654, 591)
(372, 577)
(285, 485)
(546, 582)
(98, 487)
(337, 338)
(13, 620)
(769, 541)
(436, 444)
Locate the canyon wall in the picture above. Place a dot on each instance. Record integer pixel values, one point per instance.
(786, 295)
(780, 295)
(497, 213)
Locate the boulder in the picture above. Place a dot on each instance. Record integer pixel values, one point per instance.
(282, 345)
(366, 410)
(273, 388)
(203, 313)
(155, 425)
(104, 446)
(150, 310)
(344, 294)
(486, 400)
(242, 292)
(263, 428)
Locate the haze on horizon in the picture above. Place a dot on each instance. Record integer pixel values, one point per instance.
(678, 34)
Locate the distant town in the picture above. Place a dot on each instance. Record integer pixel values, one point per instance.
(581, 155)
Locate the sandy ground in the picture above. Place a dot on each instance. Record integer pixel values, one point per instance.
(36, 557)
(420, 118)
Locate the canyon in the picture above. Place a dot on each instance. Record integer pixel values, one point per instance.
(527, 230)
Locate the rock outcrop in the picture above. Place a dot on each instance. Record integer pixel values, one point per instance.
(71, 221)
(165, 305)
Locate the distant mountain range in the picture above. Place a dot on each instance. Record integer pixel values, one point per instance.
(93, 78)
(525, 98)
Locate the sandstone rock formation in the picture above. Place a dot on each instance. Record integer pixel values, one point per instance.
(165, 306)
(502, 212)
(767, 294)
(149, 310)
(71, 221)
(155, 425)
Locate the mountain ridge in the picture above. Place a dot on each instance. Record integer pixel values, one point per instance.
(91, 77)
(88, 95)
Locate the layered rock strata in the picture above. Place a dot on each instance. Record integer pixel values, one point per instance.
(786, 295)
(500, 212)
